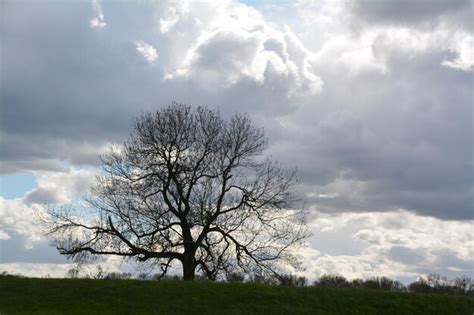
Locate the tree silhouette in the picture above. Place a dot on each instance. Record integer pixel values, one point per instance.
(191, 186)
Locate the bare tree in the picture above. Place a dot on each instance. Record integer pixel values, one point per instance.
(191, 186)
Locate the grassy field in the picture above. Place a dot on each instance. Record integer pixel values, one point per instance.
(83, 296)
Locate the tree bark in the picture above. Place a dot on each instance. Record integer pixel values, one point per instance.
(188, 267)
(188, 262)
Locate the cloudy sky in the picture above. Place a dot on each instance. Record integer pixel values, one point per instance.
(371, 100)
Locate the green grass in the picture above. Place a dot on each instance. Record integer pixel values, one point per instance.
(83, 296)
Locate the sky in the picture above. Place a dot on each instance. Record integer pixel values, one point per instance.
(372, 101)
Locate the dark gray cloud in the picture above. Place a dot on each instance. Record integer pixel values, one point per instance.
(401, 140)
(55, 77)
(406, 255)
(42, 196)
(409, 11)
(69, 89)
(446, 262)
(13, 250)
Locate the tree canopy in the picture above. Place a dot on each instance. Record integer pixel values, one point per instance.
(189, 186)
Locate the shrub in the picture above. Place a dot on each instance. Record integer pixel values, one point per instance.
(235, 277)
(464, 285)
(258, 278)
(99, 273)
(143, 276)
(357, 283)
(332, 281)
(160, 276)
(434, 283)
(419, 287)
(383, 283)
(5, 274)
(73, 273)
(292, 280)
(118, 275)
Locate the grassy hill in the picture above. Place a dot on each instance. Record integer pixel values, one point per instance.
(83, 296)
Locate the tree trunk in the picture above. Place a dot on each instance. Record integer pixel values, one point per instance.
(188, 267)
(188, 257)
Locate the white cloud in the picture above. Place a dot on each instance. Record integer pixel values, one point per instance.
(98, 20)
(345, 37)
(4, 235)
(97, 23)
(394, 244)
(462, 45)
(146, 50)
(24, 215)
(60, 187)
(414, 42)
(173, 15)
(233, 43)
(22, 218)
(351, 267)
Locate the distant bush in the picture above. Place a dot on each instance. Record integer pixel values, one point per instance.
(202, 277)
(332, 281)
(419, 287)
(292, 280)
(357, 283)
(5, 274)
(118, 276)
(377, 283)
(263, 279)
(159, 276)
(143, 276)
(380, 283)
(73, 273)
(464, 285)
(234, 277)
(434, 283)
(99, 273)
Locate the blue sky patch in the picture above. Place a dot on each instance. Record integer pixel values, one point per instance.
(15, 186)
